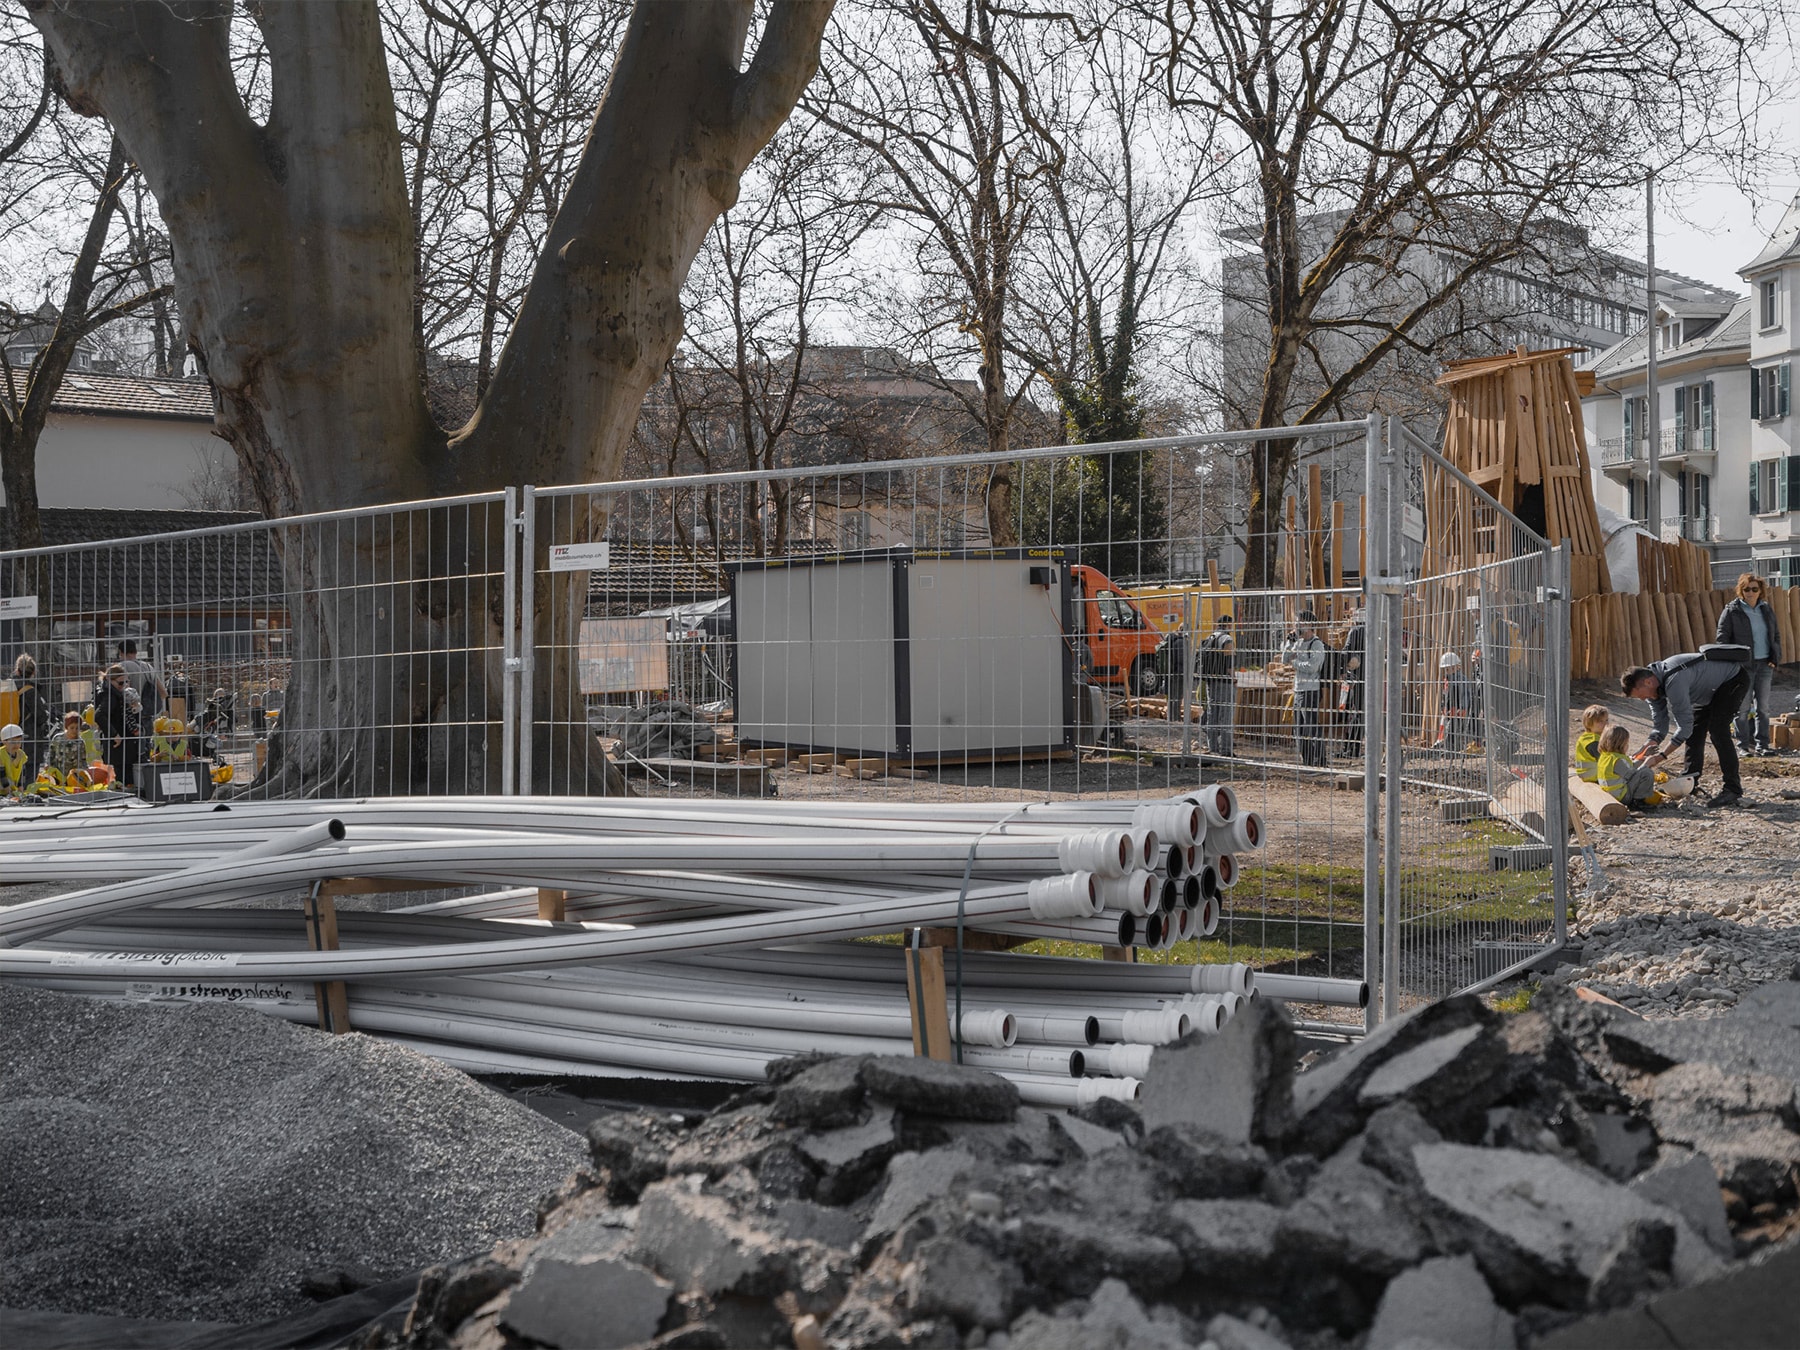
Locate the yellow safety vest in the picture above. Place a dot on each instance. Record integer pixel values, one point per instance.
(1612, 773)
(90, 741)
(13, 763)
(1587, 756)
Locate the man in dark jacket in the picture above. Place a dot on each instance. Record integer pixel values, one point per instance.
(112, 717)
(1692, 698)
(1749, 621)
(1354, 650)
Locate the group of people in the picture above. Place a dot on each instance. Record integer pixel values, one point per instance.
(1706, 695)
(119, 728)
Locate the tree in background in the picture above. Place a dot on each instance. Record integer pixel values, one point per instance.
(296, 269)
(50, 163)
(1412, 151)
(944, 99)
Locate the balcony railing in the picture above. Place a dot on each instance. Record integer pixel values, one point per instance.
(1698, 529)
(1617, 450)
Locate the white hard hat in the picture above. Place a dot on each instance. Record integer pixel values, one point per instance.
(12, 731)
(1449, 661)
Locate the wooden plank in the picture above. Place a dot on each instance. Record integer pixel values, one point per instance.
(1119, 954)
(1315, 527)
(553, 905)
(1339, 604)
(974, 940)
(1212, 571)
(378, 885)
(1362, 535)
(926, 998)
(812, 763)
(331, 997)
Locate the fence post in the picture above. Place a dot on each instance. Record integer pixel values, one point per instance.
(1556, 731)
(1393, 492)
(509, 648)
(527, 629)
(1375, 603)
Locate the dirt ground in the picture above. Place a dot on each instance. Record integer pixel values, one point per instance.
(1698, 904)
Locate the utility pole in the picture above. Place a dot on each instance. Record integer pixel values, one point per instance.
(1652, 414)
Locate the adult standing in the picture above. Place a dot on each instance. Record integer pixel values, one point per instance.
(31, 710)
(1693, 698)
(1220, 679)
(1454, 710)
(112, 716)
(143, 677)
(1749, 621)
(1354, 650)
(1304, 650)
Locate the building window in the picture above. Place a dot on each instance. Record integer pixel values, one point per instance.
(1770, 392)
(1770, 295)
(1775, 486)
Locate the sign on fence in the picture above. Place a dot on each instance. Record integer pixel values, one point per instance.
(18, 606)
(623, 656)
(580, 557)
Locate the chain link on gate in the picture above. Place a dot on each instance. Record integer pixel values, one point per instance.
(1475, 658)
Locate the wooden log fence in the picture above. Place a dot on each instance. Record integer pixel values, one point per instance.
(1611, 633)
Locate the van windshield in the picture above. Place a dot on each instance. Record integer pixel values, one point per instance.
(1116, 611)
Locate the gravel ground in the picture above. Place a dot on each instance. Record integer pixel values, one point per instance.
(194, 1162)
(1701, 905)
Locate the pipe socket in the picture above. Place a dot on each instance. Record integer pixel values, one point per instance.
(1074, 895)
(1179, 823)
(1145, 848)
(1240, 834)
(1105, 853)
(1155, 1026)
(1236, 978)
(1225, 868)
(1207, 1013)
(1217, 802)
(1136, 894)
(1192, 893)
(990, 1027)
(1209, 917)
(1121, 1061)
(1091, 1090)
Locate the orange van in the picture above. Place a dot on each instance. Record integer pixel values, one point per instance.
(1120, 638)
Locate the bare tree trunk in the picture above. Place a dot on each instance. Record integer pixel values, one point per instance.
(295, 265)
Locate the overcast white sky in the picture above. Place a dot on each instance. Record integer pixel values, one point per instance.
(1706, 227)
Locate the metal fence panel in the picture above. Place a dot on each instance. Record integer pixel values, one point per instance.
(982, 628)
(343, 654)
(1475, 840)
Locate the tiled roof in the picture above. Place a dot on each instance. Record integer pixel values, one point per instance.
(104, 568)
(1784, 243)
(1628, 355)
(97, 394)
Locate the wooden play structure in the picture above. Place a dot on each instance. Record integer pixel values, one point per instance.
(1514, 427)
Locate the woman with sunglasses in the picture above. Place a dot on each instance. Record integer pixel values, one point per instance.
(112, 714)
(1749, 621)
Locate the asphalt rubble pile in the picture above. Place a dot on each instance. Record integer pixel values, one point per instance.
(1568, 1176)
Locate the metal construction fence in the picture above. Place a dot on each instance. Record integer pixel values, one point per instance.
(1268, 609)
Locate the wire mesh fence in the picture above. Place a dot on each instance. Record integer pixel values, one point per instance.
(1273, 610)
(1106, 621)
(344, 654)
(1476, 662)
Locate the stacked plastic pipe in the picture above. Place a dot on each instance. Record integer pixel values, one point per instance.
(708, 938)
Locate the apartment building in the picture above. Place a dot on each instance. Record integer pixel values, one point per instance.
(1728, 455)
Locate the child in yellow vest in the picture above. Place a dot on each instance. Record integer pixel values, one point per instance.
(1587, 745)
(13, 760)
(1633, 784)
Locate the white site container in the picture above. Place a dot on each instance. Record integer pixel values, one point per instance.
(907, 654)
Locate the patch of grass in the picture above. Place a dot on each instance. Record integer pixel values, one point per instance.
(1518, 1000)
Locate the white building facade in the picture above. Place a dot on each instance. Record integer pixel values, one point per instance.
(1772, 477)
(1728, 456)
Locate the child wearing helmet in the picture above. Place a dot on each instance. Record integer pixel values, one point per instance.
(14, 761)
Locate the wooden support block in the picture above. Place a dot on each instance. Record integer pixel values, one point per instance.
(812, 763)
(332, 998)
(1119, 954)
(553, 906)
(1601, 804)
(974, 940)
(767, 756)
(846, 771)
(376, 885)
(899, 771)
(930, 1008)
(865, 762)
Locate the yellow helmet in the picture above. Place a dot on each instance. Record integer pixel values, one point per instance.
(87, 713)
(221, 774)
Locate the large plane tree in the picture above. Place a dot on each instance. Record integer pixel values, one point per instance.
(296, 272)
